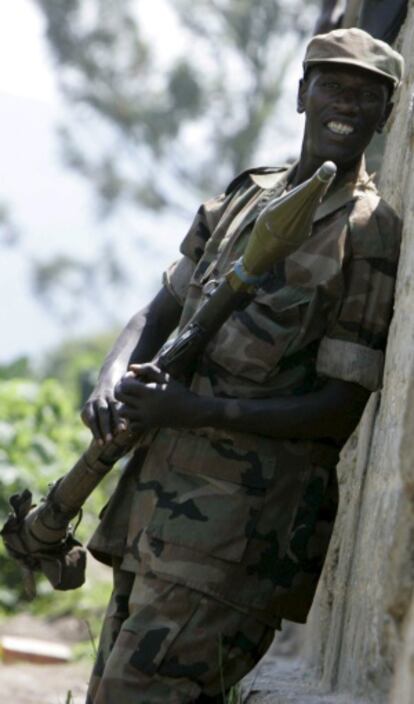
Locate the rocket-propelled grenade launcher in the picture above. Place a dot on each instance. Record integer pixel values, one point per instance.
(280, 228)
(41, 538)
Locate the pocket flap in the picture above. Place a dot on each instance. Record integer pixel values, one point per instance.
(211, 496)
(218, 457)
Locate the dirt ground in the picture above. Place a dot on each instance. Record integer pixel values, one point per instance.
(24, 683)
(280, 678)
(43, 684)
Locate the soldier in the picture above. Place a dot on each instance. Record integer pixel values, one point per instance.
(220, 523)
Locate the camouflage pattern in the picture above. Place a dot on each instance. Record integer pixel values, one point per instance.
(172, 644)
(243, 518)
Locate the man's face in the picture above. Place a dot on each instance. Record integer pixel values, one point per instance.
(344, 107)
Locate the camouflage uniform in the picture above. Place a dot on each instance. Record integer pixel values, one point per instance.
(170, 644)
(237, 522)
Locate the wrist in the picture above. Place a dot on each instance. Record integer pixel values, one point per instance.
(101, 391)
(106, 382)
(205, 412)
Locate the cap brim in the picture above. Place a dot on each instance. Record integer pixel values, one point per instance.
(354, 62)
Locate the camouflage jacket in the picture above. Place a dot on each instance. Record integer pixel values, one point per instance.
(242, 517)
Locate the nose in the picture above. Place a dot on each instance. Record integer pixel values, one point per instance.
(347, 101)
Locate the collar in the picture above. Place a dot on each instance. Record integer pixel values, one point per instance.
(353, 183)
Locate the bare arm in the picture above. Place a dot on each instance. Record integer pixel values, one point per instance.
(333, 411)
(139, 341)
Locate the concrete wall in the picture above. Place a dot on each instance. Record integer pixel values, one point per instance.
(361, 629)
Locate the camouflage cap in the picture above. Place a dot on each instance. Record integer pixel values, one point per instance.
(355, 47)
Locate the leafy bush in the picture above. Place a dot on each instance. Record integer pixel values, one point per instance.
(41, 437)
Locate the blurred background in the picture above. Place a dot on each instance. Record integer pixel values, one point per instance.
(117, 120)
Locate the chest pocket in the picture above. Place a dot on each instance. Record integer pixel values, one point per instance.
(253, 341)
(212, 496)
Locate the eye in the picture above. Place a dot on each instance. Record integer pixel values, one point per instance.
(330, 84)
(370, 94)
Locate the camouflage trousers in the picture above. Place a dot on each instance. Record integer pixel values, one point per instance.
(164, 643)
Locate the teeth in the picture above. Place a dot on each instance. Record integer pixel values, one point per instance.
(340, 128)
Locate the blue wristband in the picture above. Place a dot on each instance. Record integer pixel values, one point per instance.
(249, 279)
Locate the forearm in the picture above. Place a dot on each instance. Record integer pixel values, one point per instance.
(116, 361)
(332, 412)
(141, 338)
(139, 341)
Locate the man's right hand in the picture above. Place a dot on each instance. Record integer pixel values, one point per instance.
(139, 341)
(100, 414)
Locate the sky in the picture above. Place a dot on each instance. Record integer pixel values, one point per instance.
(32, 181)
(53, 207)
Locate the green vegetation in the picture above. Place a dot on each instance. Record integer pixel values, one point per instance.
(234, 696)
(41, 437)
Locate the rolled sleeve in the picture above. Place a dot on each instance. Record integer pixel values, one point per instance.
(203, 226)
(177, 277)
(350, 361)
(354, 345)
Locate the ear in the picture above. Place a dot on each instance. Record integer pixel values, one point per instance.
(387, 113)
(300, 103)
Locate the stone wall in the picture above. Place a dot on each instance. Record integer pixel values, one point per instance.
(360, 636)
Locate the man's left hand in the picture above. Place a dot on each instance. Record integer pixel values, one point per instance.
(151, 399)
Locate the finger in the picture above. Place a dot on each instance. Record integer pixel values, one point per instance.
(133, 415)
(120, 388)
(123, 425)
(86, 415)
(114, 422)
(140, 371)
(103, 415)
(128, 375)
(129, 387)
(148, 372)
(136, 397)
(118, 424)
(137, 368)
(143, 368)
(89, 418)
(128, 400)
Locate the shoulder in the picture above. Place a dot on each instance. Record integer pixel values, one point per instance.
(247, 177)
(375, 227)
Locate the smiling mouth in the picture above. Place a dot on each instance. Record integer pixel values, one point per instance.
(340, 128)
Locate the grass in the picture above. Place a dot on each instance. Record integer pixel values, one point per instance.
(234, 696)
(88, 650)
